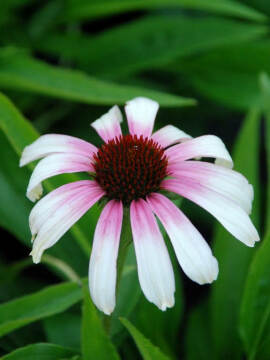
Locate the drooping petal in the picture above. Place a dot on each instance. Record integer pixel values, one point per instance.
(226, 211)
(52, 201)
(53, 165)
(225, 181)
(102, 268)
(108, 125)
(192, 251)
(154, 266)
(203, 146)
(141, 113)
(169, 135)
(54, 143)
(52, 217)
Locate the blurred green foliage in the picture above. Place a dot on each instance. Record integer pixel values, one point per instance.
(61, 64)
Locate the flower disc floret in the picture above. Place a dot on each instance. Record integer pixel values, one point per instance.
(130, 167)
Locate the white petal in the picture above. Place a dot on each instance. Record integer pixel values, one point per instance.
(203, 146)
(108, 126)
(54, 165)
(141, 113)
(102, 268)
(54, 143)
(225, 181)
(154, 266)
(192, 251)
(46, 207)
(169, 135)
(227, 212)
(57, 220)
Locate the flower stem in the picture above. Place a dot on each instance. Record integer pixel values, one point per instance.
(63, 267)
(125, 241)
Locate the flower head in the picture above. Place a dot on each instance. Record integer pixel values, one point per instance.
(132, 171)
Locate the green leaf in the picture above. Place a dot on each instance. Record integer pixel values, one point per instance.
(20, 133)
(98, 346)
(261, 5)
(125, 303)
(13, 182)
(162, 327)
(47, 302)
(59, 333)
(228, 75)
(255, 308)
(146, 348)
(21, 72)
(265, 89)
(233, 256)
(83, 9)
(142, 47)
(40, 352)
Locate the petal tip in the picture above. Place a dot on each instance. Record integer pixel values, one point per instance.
(22, 161)
(168, 303)
(35, 256)
(107, 311)
(35, 193)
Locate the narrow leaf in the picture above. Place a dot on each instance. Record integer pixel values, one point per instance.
(20, 133)
(228, 75)
(21, 72)
(83, 9)
(40, 352)
(141, 46)
(265, 88)
(97, 346)
(146, 348)
(47, 302)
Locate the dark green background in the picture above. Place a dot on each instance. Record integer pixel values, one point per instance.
(62, 65)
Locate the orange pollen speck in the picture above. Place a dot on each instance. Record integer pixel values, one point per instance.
(130, 167)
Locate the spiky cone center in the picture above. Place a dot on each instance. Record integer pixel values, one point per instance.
(130, 167)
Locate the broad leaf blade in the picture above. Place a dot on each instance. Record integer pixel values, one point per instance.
(233, 256)
(255, 309)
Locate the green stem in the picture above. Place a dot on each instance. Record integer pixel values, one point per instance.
(63, 267)
(125, 241)
(81, 239)
(58, 264)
